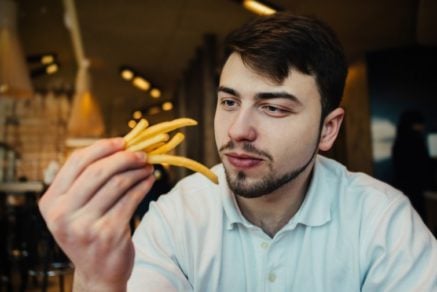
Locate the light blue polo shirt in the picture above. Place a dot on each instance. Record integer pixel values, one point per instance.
(352, 233)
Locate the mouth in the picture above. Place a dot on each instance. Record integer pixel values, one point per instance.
(242, 160)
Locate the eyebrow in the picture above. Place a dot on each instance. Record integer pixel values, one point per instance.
(262, 95)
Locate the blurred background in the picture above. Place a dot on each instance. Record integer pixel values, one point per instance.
(75, 71)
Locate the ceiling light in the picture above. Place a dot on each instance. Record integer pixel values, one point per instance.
(47, 59)
(131, 124)
(44, 70)
(141, 83)
(258, 7)
(167, 106)
(86, 118)
(127, 74)
(137, 115)
(155, 93)
(52, 68)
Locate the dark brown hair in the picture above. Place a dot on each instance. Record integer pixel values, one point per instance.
(272, 45)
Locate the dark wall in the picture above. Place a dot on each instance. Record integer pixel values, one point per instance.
(399, 79)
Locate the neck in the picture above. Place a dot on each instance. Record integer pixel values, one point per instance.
(273, 211)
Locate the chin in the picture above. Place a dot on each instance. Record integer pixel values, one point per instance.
(244, 186)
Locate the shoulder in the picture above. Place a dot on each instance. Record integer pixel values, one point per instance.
(357, 188)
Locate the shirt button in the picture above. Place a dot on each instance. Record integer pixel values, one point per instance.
(272, 277)
(264, 245)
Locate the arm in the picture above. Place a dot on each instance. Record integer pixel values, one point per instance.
(88, 207)
(400, 253)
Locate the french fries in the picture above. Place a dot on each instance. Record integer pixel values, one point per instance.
(164, 127)
(149, 142)
(183, 161)
(170, 145)
(156, 142)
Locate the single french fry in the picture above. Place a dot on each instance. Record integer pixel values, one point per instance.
(142, 124)
(149, 142)
(184, 162)
(170, 145)
(163, 127)
(154, 147)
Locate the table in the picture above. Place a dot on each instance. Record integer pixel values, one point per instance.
(21, 187)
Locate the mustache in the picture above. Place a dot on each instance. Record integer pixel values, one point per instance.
(247, 147)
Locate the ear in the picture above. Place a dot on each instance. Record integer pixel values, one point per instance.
(330, 129)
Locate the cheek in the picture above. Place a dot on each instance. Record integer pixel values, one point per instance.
(291, 144)
(219, 129)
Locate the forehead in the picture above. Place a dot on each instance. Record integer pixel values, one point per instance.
(245, 80)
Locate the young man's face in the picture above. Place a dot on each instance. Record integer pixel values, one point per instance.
(266, 133)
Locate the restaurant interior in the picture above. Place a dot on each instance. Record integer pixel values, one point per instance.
(73, 72)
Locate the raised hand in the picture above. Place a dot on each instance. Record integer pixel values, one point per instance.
(88, 208)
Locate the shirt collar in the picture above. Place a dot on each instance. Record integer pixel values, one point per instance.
(230, 206)
(316, 207)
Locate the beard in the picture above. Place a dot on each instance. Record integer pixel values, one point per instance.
(240, 186)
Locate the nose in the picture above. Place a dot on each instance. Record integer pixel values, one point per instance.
(242, 127)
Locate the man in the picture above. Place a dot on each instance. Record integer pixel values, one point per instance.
(281, 219)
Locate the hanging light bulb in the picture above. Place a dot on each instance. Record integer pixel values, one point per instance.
(131, 124)
(155, 93)
(258, 7)
(137, 115)
(86, 119)
(167, 106)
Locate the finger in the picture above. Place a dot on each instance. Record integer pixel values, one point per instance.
(79, 160)
(123, 209)
(97, 174)
(115, 188)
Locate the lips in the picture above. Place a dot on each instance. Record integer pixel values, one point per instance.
(243, 161)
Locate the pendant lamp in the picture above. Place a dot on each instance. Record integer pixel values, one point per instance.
(86, 121)
(14, 74)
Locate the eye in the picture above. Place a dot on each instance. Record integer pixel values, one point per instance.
(228, 104)
(274, 111)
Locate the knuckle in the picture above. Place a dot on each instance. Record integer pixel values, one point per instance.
(109, 237)
(127, 156)
(103, 144)
(95, 171)
(119, 182)
(57, 223)
(77, 158)
(76, 155)
(42, 205)
(72, 233)
(83, 234)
